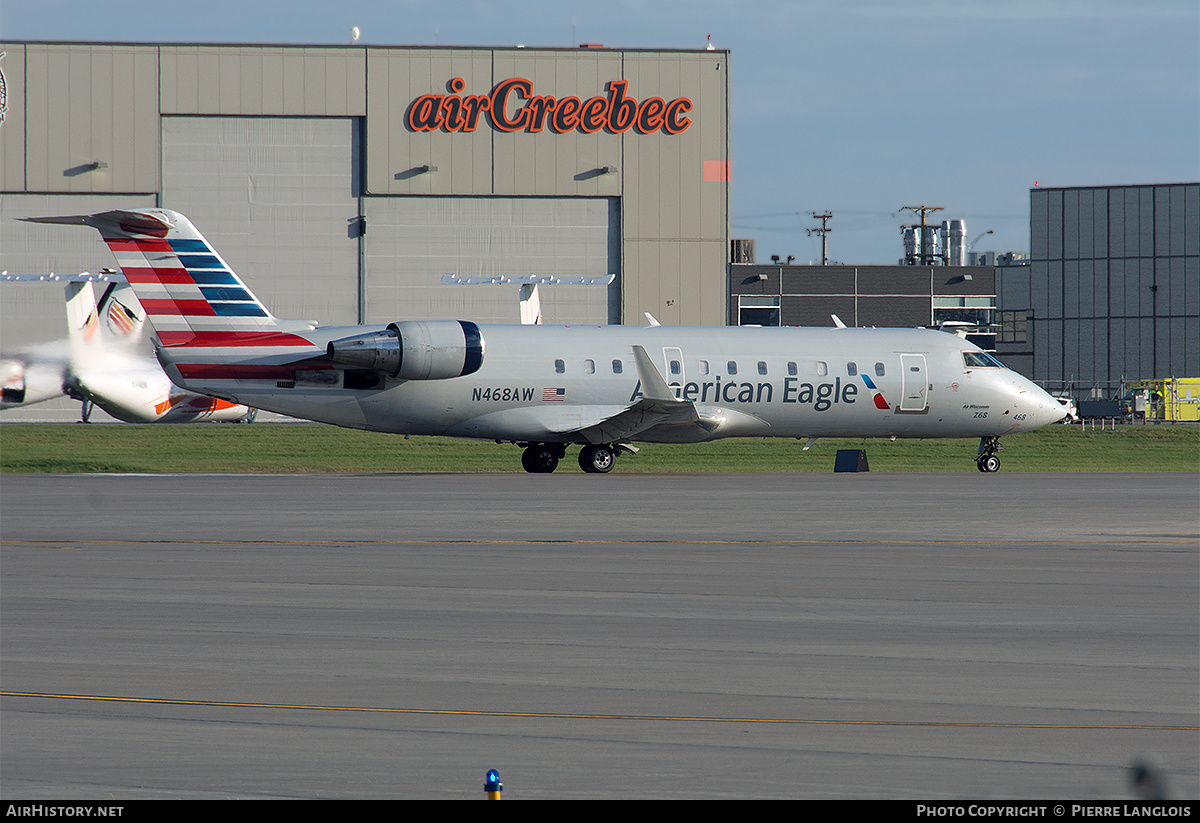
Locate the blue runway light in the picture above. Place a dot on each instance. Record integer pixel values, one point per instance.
(493, 786)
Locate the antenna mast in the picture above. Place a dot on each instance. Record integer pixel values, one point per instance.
(824, 232)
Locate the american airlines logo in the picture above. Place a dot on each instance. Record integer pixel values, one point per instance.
(512, 106)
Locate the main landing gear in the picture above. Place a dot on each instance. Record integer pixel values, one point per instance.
(987, 459)
(542, 458)
(598, 458)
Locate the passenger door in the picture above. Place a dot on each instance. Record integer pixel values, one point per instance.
(914, 383)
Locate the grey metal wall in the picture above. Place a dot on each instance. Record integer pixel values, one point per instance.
(1113, 286)
(410, 242)
(278, 198)
(673, 188)
(858, 295)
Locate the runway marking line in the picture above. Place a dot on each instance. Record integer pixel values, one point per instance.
(572, 716)
(570, 541)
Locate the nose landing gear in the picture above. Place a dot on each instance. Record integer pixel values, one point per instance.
(987, 461)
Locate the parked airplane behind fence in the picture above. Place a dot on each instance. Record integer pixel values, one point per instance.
(545, 388)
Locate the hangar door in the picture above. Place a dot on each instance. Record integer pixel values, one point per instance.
(411, 242)
(277, 197)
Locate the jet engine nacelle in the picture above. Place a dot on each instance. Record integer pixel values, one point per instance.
(414, 350)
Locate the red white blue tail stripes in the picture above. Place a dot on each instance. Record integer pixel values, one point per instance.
(208, 324)
(185, 287)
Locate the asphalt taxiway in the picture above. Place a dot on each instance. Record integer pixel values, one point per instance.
(939, 636)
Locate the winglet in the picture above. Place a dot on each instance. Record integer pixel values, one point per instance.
(653, 385)
(837, 321)
(650, 319)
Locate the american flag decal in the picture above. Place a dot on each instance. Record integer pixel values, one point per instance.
(554, 394)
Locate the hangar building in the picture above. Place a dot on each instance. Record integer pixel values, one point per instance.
(342, 183)
(1111, 292)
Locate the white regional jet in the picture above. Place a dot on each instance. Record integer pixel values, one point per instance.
(547, 387)
(99, 364)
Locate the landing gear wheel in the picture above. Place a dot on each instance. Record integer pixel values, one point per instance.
(539, 459)
(990, 463)
(598, 459)
(987, 461)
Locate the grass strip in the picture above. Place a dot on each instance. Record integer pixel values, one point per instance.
(316, 448)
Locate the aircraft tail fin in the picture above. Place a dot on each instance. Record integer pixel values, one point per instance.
(187, 290)
(83, 321)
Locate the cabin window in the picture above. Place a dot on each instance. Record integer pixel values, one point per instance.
(589, 366)
(731, 367)
(676, 369)
(559, 366)
(762, 366)
(822, 368)
(703, 367)
(879, 370)
(852, 369)
(792, 370)
(617, 367)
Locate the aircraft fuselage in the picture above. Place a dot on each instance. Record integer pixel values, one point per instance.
(547, 383)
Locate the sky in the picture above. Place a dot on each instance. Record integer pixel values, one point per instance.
(855, 107)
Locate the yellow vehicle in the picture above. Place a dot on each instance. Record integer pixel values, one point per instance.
(1174, 398)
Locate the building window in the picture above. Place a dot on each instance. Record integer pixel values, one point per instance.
(758, 310)
(977, 311)
(1012, 327)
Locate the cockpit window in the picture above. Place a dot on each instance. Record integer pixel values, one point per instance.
(980, 360)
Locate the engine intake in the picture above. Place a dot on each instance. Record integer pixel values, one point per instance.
(414, 350)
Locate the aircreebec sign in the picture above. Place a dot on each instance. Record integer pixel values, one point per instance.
(512, 106)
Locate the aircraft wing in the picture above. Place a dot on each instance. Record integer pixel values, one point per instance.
(643, 416)
(658, 406)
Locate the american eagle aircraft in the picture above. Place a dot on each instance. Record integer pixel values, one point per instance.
(545, 388)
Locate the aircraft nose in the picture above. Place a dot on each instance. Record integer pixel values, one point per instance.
(1044, 408)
